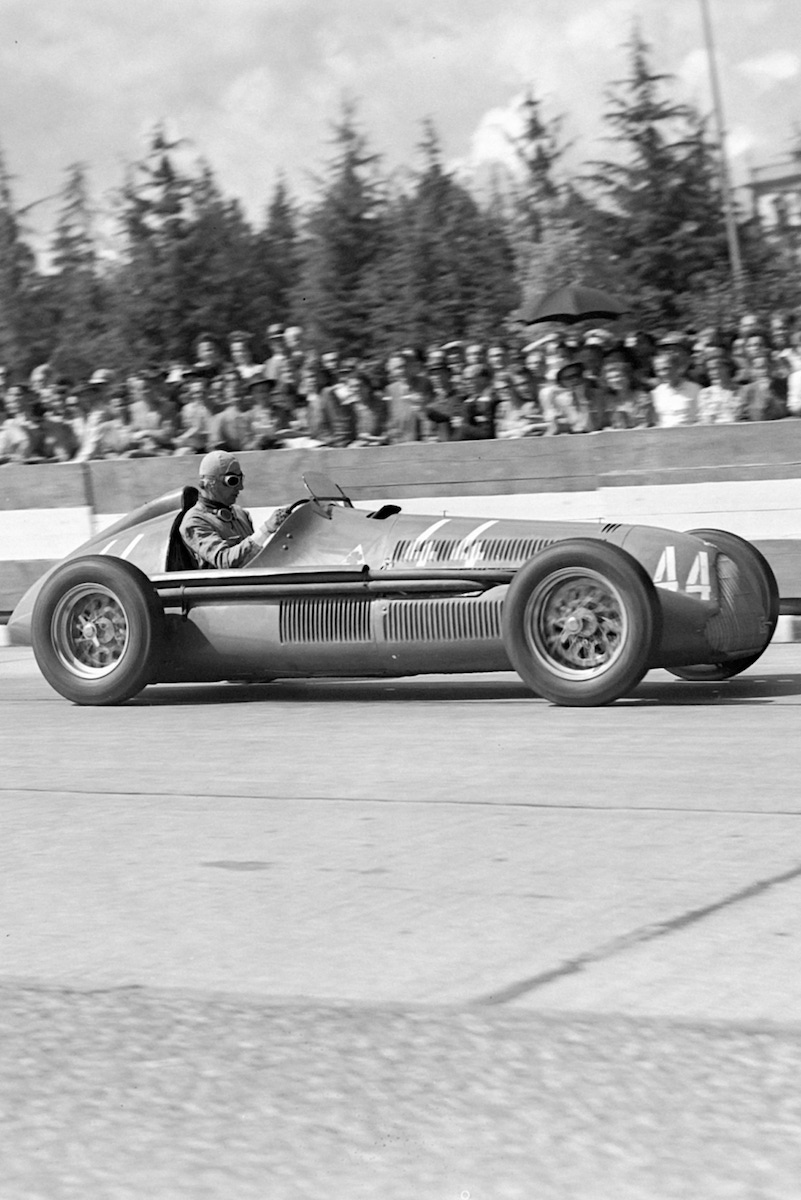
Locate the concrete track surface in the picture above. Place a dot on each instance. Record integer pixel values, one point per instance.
(423, 939)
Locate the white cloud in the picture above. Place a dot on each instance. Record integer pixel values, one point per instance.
(256, 83)
(694, 75)
(492, 140)
(740, 140)
(771, 69)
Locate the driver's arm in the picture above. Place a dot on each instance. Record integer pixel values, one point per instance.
(233, 548)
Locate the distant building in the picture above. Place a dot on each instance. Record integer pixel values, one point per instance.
(776, 196)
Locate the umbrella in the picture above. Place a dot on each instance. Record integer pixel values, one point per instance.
(574, 302)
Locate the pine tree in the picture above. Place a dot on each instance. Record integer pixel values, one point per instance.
(547, 219)
(151, 296)
(277, 259)
(540, 199)
(82, 337)
(16, 278)
(659, 213)
(341, 238)
(216, 254)
(446, 269)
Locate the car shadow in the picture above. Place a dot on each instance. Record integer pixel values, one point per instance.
(658, 688)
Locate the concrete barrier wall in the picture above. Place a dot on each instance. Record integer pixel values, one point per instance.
(746, 478)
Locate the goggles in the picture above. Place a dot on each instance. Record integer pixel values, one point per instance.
(233, 480)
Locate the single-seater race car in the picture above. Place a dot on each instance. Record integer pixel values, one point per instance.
(581, 610)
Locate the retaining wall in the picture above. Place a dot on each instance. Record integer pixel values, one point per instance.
(745, 478)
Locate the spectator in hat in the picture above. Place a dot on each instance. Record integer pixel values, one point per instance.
(444, 402)
(94, 413)
(475, 420)
(525, 381)
(764, 395)
(556, 355)
(216, 531)
(516, 416)
(497, 358)
(779, 332)
(571, 404)
(475, 355)
(276, 352)
(370, 410)
(332, 416)
(534, 363)
(20, 432)
(115, 437)
(406, 397)
(153, 423)
(719, 402)
(241, 355)
(195, 415)
(295, 350)
(208, 356)
(675, 397)
(40, 378)
(642, 347)
(592, 355)
(285, 395)
(269, 428)
(231, 427)
(59, 439)
(628, 403)
(794, 376)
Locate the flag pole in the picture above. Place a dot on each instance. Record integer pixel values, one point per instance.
(735, 259)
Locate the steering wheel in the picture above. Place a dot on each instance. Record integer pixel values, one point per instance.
(297, 503)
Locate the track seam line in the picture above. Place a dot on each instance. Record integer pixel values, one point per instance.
(527, 804)
(638, 937)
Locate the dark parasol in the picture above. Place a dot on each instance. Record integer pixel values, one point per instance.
(574, 302)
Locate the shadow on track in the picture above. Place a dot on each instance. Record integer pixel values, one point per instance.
(657, 689)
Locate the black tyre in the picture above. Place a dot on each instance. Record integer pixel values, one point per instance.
(752, 561)
(97, 630)
(580, 621)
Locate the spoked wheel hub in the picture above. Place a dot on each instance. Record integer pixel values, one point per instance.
(580, 621)
(577, 622)
(90, 630)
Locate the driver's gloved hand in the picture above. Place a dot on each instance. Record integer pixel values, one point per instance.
(271, 526)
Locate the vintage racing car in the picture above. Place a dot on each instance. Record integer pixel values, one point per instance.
(581, 610)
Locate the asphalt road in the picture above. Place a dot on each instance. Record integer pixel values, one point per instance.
(422, 939)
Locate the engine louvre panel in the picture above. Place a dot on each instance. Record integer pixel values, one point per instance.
(442, 620)
(325, 619)
(490, 552)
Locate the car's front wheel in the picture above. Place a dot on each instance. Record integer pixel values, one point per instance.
(96, 630)
(580, 621)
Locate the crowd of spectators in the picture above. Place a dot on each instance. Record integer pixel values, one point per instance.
(560, 382)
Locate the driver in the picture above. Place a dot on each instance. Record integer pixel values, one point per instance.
(216, 530)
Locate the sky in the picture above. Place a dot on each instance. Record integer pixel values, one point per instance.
(253, 85)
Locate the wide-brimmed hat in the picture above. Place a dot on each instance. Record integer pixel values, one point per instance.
(571, 365)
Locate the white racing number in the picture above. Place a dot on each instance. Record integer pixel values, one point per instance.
(698, 579)
(665, 575)
(697, 583)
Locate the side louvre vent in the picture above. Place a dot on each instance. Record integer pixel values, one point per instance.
(610, 527)
(489, 552)
(442, 620)
(327, 619)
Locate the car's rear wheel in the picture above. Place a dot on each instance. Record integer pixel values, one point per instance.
(97, 630)
(760, 573)
(580, 621)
